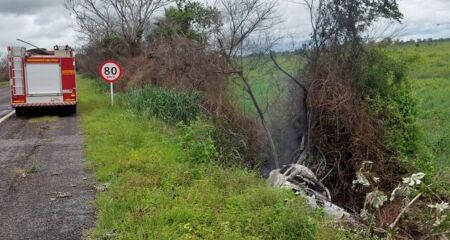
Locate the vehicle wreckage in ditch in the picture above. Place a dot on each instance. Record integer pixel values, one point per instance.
(303, 181)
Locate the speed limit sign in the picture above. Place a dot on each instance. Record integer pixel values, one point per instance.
(110, 71)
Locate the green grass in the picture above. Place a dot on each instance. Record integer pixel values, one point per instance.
(156, 191)
(165, 104)
(433, 60)
(430, 78)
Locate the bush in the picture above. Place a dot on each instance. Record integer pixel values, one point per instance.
(384, 81)
(196, 139)
(167, 105)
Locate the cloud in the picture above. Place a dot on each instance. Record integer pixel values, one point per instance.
(21, 7)
(44, 23)
(425, 19)
(47, 22)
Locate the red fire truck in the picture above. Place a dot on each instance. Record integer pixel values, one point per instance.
(41, 78)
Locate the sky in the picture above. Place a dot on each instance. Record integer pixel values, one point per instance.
(47, 23)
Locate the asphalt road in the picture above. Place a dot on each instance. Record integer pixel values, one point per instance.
(5, 103)
(45, 192)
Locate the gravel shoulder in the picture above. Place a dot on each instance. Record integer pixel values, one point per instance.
(44, 187)
(5, 104)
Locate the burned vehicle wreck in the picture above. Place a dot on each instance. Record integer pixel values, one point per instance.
(303, 181)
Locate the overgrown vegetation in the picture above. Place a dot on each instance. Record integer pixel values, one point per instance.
(350, 106)
(165, 104)
(164, 188)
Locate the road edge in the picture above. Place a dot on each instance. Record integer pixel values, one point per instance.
(7, 116)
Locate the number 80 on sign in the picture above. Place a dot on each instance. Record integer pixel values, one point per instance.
(110, 71)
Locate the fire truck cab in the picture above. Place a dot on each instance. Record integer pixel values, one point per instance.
(41, 78)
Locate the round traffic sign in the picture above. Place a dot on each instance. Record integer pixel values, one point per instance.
(110, 71)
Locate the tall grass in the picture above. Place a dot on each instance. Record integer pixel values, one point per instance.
(165, 104)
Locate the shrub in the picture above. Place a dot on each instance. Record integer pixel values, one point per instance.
(168, 105)
(383, 80)
(197, 141)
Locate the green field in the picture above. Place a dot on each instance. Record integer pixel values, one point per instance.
(430, 77)
(269, 85)
(155, 191)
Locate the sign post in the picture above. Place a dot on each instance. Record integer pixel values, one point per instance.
(112, 94)
(110, 71)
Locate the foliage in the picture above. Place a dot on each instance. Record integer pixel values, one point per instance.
(345, 21)
(383, 79)
(382, 72)
(341, 127)
(93, 54)
(156, 192)
(165, 104)
(192, 19)
(197, 141)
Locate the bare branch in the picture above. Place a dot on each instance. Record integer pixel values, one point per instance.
(127, 20)
(286, 73)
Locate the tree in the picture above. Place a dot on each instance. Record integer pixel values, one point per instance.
(127, 19)
(191, 19)
(341, 132)
(242, 19)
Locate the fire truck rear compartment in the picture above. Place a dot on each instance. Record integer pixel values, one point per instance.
(42, 80)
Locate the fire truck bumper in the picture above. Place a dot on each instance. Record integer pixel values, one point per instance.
(16, 105)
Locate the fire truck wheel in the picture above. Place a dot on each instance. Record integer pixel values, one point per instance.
(20, 112)
(72, 109)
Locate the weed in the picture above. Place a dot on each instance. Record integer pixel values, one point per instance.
(197, 141)
(34, 167)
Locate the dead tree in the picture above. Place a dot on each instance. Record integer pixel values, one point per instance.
(126, 19)
(242, 19)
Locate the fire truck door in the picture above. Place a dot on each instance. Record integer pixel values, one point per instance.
(43, 79)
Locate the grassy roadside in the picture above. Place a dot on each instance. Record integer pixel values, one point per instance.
(155, 192)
